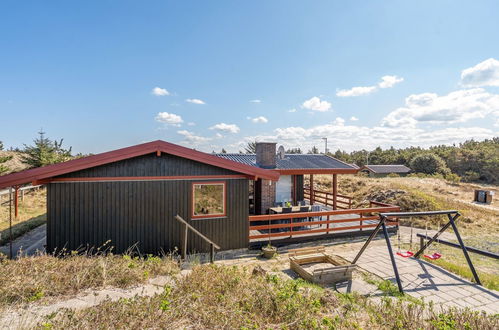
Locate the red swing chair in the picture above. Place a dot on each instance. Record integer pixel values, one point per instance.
(406, 254)
(435, 255)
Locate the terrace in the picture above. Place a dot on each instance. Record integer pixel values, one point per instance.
(331, 216)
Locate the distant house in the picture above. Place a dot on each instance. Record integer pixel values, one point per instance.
(384, 170)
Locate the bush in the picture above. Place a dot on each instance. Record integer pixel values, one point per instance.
(429, 164)
(393, 175)
(470, 176)
(453, 178)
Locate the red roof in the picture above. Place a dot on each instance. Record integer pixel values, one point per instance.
(50, 171)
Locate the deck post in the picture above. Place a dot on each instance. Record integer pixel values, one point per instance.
(16, 202)
(335, 190)
(312, 197)
(184, 242)
(212, 253)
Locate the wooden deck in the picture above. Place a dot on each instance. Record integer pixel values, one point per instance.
(309, 225)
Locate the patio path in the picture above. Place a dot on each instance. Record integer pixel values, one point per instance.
(420, 279)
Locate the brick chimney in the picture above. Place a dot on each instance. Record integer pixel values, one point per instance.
(266, 154)
(265, 158)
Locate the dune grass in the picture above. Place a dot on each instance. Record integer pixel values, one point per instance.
(214, 297)
(39, 277)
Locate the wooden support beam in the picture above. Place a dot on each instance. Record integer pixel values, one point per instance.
(16, 202)
(312, 189)
(335, 191)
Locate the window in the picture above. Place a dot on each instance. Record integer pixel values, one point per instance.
(208, 200)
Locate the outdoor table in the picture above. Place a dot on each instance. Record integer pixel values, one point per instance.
(293, 209)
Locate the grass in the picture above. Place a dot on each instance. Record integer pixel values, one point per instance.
(21, 228)
(232, 298)
(44, 276)
(31, 215)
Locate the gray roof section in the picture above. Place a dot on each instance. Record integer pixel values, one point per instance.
(386, 169)
(294, 161)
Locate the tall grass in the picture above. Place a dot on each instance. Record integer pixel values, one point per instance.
(38, 277)
(214, 297)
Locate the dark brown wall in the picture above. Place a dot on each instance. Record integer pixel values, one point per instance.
(299, 188)
(142, 212)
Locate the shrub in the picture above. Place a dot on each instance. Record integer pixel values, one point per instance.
(429, 164)
(453, 178)
(393, 175)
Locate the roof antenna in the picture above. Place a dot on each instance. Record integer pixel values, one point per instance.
(281, 153)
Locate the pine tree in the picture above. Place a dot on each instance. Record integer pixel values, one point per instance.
(250, 148)
(45, 152)
(314, 150)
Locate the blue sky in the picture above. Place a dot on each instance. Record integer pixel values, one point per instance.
(108, 74)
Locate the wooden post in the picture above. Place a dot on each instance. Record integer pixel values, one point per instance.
(16, 202)
(184, 242)
(335, 191)
(312, 197)
(212, 253)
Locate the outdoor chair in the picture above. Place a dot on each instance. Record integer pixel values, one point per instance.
(315, 208)
(285, 210)
(303, 219)
(301, 203)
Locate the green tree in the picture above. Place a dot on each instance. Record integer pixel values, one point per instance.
(250, 148)
(429, 163)
(314, 150)
(1, 145)
(45, 152)
(4, 169)
(223, 151)
(294, 151)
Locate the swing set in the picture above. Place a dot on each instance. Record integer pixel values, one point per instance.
(385, 217)
(409, 253)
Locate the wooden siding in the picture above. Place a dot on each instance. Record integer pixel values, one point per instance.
(151, 165)
(81, 214)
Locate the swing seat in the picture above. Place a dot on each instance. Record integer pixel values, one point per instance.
(406, 254)
(434, 256)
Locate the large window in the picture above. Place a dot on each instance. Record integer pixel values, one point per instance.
(208, 200)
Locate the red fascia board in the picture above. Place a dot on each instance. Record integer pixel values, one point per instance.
(318, 171)
(130, 152)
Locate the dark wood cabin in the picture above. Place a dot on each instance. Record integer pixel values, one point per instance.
(130, 197)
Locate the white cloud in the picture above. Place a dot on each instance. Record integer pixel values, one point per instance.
(195, 101)
(191, 123)
(386, 82)
(485, 73)
(159, 91)
(190, 137)
(316, 104)
(456, 107)
(292, 110)
(353, 137)
(256, 101)
(229, 128)
(353, 118)
(356, 91)
(169, 118)
(389, 81)
(259, 119)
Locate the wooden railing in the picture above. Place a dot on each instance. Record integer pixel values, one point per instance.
(292, 224)
(187, 226)
(326, 198)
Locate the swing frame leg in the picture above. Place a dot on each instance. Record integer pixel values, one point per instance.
(373, 234)
(382, 225)
(434, 238)
(392, 258)
(463, 247)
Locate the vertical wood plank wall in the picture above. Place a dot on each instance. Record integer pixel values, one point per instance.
(142, 212)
